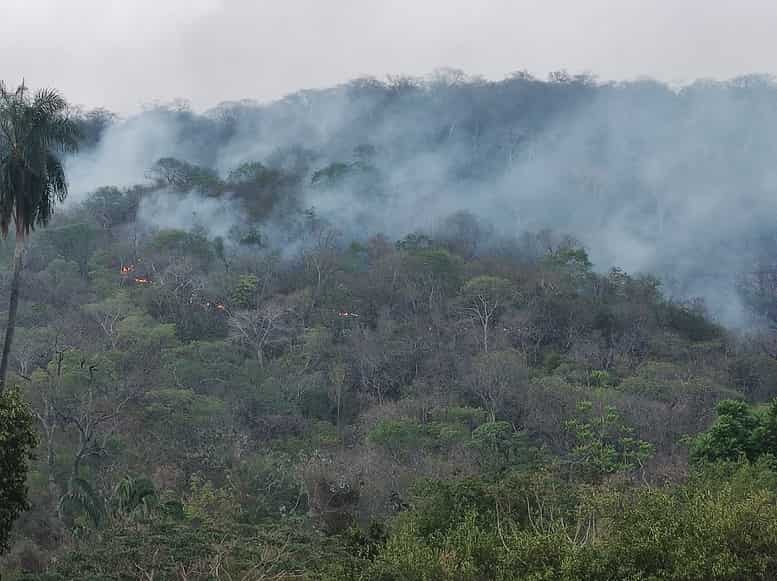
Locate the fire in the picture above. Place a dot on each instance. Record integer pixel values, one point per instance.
(142, 280)
(127, 268)
(348, 315)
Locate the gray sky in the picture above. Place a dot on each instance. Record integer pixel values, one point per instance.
(123, 53)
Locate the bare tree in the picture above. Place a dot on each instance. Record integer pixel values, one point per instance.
(319, 251)
(496, 377)
(74, 393)
(109, 313)
(484, 297)
(268, 324)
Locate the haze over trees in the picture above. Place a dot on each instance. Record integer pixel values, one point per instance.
(247, 355)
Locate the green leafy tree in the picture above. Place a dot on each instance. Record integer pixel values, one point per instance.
(74, 242)
(604, 443)
(738, 431)
(182, 176)
(498, 445)
(34, 130)
(17, 442)
(245, 291)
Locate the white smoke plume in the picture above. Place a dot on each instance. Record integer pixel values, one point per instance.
(677, 182)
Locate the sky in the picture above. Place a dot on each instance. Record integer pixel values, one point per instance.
(123, 54)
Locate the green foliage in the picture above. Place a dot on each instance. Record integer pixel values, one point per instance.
(439, 264)
(167, 547)
(662, 381)
(738, 431)
(139, 335)
(403, 436)
(358, 418)
(244, 291)
(111, 206)
(267, 487)
(134, 497)
(213, 506)
(183, 243)
(73, 242)
(182, 176)
(17, 445)
(570, 256)
(182, 407)
(471, 417)
(499, 445)
(691, 322)
(603, 443)
(34, 131)
(82, 500)
(705, 530)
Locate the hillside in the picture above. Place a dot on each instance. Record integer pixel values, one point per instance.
(449, 329)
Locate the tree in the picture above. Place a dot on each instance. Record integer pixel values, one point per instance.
(82, 399)
(484, 298)
(262, 327)
(110, 312)
(74, 242)
(738, 431)
(604, 444)
(34, 130)
(496, 377)
(17, 442)
(182, 176)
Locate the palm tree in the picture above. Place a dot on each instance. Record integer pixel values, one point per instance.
(34, 131)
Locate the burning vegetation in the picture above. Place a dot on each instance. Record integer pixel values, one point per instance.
(129, 273)
(348, 315)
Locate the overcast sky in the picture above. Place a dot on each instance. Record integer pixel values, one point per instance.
(123, 53)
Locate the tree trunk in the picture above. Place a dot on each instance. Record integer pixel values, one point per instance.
(18, 258)
(339, 400)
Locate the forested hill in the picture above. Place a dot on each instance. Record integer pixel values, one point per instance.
(447, 330)
(677, 182)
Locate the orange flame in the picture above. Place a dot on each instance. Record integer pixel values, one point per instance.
(142, 280)
(127, 268)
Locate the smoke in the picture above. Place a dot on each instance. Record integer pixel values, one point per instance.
(679, 182)
(218, 217)
(128, 148)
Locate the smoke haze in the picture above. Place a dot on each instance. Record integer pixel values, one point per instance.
(676, 182)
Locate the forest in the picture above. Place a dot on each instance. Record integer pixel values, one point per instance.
(415, 329)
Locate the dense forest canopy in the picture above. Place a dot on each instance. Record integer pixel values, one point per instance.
(439, 329)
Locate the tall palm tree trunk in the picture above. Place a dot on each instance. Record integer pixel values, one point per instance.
(13, 304)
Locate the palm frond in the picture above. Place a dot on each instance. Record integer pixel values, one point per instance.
(135, 496)
(82, 498)
(48, 102)
(33, 130)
